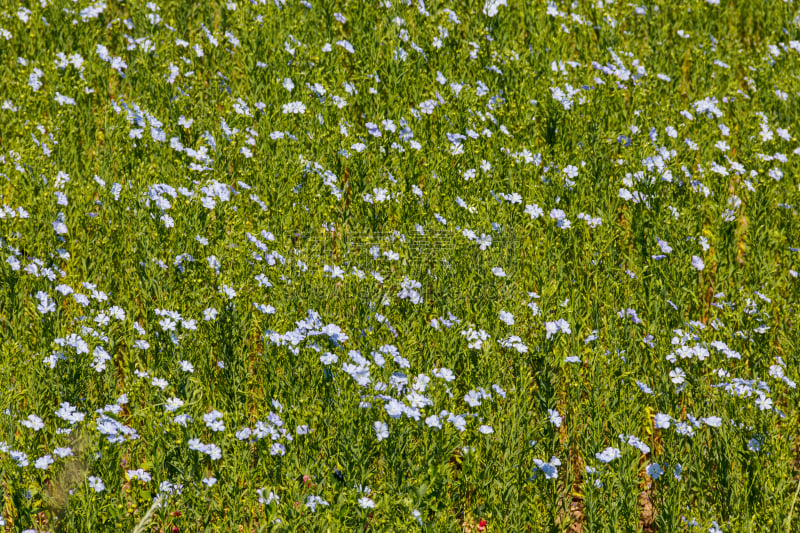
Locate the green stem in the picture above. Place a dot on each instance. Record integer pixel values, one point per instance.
(791, 508)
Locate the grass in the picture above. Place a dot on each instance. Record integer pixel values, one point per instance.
(553, 250)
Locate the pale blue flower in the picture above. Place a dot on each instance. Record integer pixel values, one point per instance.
(381, 430)
(33, 422)
(295, 108)
(608, 455)
(763, 402)
(214, 421)
(139, 474)
(312, 502)
(366, 503)
(712, 421)
(63, 452)
(277, 449)
(96, 484)
(43, 462)
(459, 422)
(182, 420)
(433, 422)
(271, 497)
(677, 376)
(549, 469)
(473, 398)
(654, 470)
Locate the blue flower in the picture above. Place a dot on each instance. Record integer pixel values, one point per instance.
(608, 455)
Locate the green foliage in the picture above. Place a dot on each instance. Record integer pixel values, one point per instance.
(399, 265)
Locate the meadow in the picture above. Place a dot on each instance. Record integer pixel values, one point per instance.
(399, 265)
